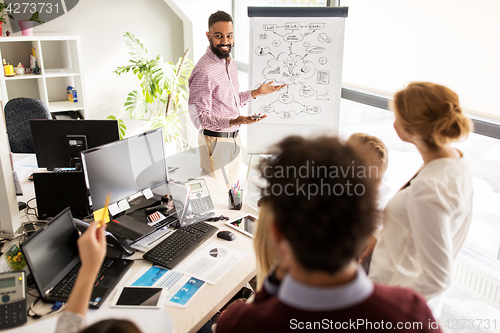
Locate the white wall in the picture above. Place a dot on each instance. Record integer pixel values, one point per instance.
(101, 25)
(194, 14)
(389, 43)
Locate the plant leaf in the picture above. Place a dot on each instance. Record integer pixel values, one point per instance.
(122, 128)
(165, 71)
(136, 49)
(135, 105)
(185, 71)
(171, 124)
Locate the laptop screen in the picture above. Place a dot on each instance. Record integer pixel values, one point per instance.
(52, 252)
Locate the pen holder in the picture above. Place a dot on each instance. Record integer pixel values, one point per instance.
(235, 199)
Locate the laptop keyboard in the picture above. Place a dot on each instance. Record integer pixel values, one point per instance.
(180, 244)
(63, 288)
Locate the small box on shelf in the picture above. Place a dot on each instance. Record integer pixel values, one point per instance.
(67, 115)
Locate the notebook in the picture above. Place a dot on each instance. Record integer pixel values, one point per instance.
(52, 257)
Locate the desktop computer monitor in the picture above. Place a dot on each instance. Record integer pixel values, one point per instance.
(125, 167)
(58, 143)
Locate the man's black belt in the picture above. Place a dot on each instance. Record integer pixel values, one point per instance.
(221, 134)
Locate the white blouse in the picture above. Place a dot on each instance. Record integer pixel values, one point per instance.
(424, 228)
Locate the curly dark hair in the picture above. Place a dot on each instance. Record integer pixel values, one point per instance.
(219, 16)
(112, 326)
(322, 198)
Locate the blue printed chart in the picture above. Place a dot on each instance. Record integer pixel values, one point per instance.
(186, 293)
(181, 287)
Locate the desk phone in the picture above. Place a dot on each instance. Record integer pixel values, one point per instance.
(199, 198)
(13, 299)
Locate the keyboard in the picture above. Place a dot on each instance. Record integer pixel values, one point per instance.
(63, 288)
(180, 244)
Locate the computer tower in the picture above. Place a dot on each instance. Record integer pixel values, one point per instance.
(57, 190)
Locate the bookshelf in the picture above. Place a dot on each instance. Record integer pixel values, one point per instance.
(59, 58)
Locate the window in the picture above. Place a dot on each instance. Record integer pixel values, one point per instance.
(482, 153)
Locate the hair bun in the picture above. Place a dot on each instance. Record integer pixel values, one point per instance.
(432, 111)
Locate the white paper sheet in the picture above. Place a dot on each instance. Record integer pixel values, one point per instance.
(211, 263)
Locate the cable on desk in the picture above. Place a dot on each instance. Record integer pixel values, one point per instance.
(217, 218)
(28, 208)
(35, 296)
(198, 218)
(58, 307)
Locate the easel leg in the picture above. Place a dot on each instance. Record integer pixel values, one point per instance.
(248, 174)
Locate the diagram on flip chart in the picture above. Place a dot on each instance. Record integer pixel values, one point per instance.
(299, 52)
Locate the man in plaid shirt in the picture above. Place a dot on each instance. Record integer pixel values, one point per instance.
(215, 101)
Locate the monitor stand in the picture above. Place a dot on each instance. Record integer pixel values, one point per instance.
(133, 224)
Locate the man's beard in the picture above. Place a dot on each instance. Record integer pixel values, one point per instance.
(220, 53)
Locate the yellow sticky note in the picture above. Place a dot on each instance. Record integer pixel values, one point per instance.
(102, 214)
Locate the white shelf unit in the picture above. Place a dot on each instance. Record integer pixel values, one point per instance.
(59, 59)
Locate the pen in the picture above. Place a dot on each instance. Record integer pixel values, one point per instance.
(105, 209)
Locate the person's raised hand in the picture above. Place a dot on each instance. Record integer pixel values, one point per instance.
(92, 247)
(266, 88)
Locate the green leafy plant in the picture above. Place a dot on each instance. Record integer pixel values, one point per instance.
(163, 89)
(3, 6)
(36, 18)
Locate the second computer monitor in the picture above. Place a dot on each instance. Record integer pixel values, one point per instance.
(125, 167)
(58, 143)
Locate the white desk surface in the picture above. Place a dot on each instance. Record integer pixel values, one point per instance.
(209, 299)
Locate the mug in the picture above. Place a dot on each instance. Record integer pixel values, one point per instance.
(19, 70)
(9, 70)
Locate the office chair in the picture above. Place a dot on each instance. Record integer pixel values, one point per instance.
(18, 112)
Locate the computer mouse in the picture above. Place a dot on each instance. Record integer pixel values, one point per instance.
(227, 235)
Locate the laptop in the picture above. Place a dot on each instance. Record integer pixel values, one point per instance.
(52, 257)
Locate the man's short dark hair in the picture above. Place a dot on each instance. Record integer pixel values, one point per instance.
(322, 201)
(219, 16)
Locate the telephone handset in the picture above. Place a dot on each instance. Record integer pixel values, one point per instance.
(199, 198)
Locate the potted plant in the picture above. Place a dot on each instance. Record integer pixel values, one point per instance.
(163, 90)
(27, 25)
(3, 6)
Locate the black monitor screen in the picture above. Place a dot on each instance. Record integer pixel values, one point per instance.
(124, 167)
(52, 252)
(51, 142)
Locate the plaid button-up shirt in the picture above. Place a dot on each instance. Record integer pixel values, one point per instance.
(214, 96)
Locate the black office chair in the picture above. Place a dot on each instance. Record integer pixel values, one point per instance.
(18, 112)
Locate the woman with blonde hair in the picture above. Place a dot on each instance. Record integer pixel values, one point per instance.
(426, 222)
(265, 251)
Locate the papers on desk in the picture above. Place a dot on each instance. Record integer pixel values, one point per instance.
(27, 164)
(147, 243)
(181, 288)
(211, 263)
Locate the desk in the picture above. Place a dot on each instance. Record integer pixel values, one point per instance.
(210, 298)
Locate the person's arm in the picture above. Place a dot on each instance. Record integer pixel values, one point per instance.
(200, 103)
(429, 209)
(92, 250)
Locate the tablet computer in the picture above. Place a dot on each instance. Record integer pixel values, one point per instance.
(245, 224)
(139, 297)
